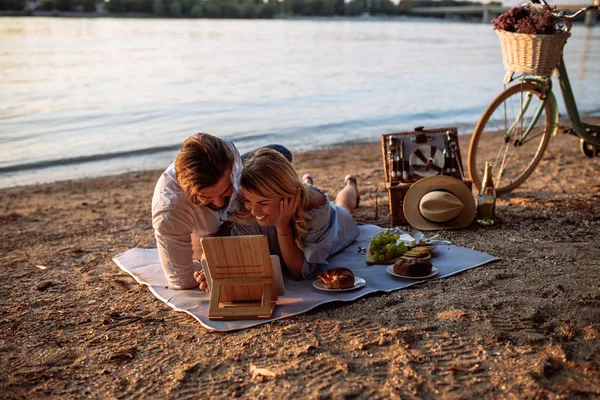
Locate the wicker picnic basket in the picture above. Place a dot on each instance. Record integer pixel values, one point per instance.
(531, 54)
(413, 142)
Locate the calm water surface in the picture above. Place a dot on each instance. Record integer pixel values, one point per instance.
(91, 97)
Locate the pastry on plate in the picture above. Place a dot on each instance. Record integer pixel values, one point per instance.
(337, 278)
(413, 267)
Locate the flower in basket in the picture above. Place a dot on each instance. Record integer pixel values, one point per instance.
(532, 39)
(528, 20)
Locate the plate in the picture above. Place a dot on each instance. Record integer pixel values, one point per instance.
(358, 283)
(390, 270)
(427, 160)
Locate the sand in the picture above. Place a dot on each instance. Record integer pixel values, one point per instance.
(75, 326)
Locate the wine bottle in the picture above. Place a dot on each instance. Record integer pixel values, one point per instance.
(397, 165)
(486, 199)
(391, 166)
(403, 164)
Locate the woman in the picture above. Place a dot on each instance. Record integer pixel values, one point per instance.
(302, 227)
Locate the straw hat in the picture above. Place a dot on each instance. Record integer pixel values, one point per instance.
(439, 202)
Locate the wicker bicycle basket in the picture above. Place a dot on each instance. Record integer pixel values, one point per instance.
(531, 54)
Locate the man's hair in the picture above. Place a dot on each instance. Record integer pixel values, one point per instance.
(202, 162)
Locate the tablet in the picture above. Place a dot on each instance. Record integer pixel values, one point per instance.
(240, 257)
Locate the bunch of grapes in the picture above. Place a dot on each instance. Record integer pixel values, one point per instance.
(385, 246)
(524, 20)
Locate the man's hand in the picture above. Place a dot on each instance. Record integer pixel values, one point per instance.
(287, 211)
(201, 280)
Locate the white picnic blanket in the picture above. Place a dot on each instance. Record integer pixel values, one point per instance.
(300, 296)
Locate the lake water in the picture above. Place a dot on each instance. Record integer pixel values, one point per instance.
(91, 97)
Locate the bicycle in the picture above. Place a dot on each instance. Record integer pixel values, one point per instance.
(514, 130)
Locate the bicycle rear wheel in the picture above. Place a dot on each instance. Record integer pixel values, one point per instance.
(513, 134)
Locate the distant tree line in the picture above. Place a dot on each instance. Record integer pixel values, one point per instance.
(236, 8)
(442, 3)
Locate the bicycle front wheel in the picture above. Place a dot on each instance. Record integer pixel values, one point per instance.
(513, 134)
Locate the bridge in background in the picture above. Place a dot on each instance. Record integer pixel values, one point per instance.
(489, 12)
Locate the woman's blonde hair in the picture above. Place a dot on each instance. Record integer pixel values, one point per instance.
(267, 173)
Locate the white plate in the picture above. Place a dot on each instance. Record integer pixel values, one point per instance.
(358, 282)
(390, 270)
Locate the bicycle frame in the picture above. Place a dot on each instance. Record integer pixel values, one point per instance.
(546, 95)
(587, 132)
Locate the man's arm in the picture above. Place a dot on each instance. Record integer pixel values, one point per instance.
(173, 229)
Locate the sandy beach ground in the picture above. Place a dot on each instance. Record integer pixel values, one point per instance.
(75, 326)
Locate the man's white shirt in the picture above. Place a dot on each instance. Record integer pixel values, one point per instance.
(179, 225)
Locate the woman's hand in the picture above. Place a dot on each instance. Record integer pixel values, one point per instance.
(291, 253)
(201, 280)
(287, 211)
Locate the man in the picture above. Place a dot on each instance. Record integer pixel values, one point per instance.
(191, 200)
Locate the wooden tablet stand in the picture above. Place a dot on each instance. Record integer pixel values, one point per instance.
(243, 286)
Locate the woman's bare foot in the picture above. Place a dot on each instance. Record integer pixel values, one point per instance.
(352, 179)
(349, 196)
(307, 178)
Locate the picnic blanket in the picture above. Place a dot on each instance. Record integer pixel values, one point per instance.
(300, 296)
